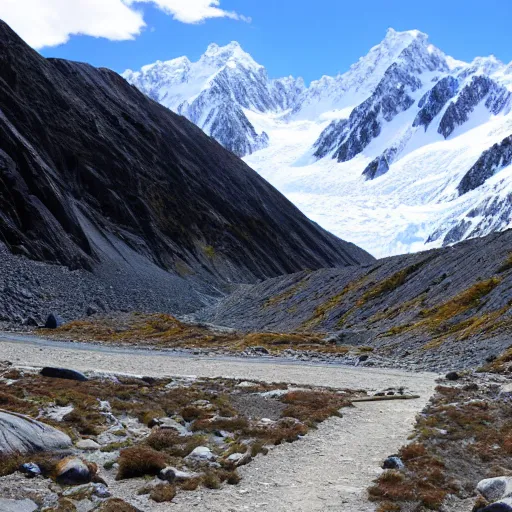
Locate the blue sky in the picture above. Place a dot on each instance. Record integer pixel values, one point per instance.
(299, 37)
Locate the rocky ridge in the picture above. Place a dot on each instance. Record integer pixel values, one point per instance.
(97, 176)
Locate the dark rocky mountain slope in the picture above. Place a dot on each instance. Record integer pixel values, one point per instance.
(94, 172)
(436, 309)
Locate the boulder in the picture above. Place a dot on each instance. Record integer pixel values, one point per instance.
(452, 376)
(21, 434)
(17, 505)
(74, 471)
(393, 462)
(53, 321)
(493, 489)
(63, 373)
(504, 505)
(30, 469)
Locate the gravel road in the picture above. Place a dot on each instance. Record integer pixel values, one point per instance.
(329, 470)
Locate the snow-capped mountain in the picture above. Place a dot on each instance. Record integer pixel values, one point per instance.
(407, 150)
(215, 91)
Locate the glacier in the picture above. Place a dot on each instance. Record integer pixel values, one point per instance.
(406, 151)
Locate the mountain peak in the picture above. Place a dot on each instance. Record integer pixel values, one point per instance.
(233, 53)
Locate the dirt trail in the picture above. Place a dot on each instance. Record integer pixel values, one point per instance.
(328, 470)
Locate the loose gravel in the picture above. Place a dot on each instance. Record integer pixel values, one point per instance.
(330, 469)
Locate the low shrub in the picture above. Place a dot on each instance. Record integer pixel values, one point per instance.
(140, 461)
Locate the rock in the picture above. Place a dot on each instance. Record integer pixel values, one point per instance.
(201, 453)
(17, 505)
(494, 489)
(172, 474)
(90, 311)
(504, 505)
(19, 433)
(246, 384)
(88, 490)
(239, 459)
(53, 321)
(63, 373)
(167, 474)
(393, 462)
(74, 471)
(88, 445)
(364, 358)
(452, 376)
(30, 469)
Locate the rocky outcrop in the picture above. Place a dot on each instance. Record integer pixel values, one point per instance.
(21, 434)
(92, 171)
(379, 165)
(434, 100)
(491, 161)
(391, 97)
(480, 88)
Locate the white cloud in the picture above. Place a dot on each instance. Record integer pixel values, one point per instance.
(50, 22)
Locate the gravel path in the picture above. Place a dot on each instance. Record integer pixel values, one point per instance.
(328, 470)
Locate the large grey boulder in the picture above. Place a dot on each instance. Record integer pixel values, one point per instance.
(21, 434)
(494, 489)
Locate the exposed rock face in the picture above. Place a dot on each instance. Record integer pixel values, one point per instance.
(213, 92)
(491, 161)
(433, 102)
(93, 171)
(391, 97)
(22, 434)
(479, 88)
(380, 165)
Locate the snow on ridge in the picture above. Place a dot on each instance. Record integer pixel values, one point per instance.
(422, 141)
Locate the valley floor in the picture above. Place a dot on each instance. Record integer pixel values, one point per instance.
(330, 469)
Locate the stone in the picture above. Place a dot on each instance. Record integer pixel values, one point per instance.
(53, 321)
(504, 505)
(88, 445)
(30, 469)
(168, 475)
(393, 462)
(239, 459)
(452, 376)
(246, 384)
(201, 453)
(90, 311)
(172, 474)
(63, 373)
(19, 433)
(88, 490)
(493, 489)
(17, 505)
(74, 471)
